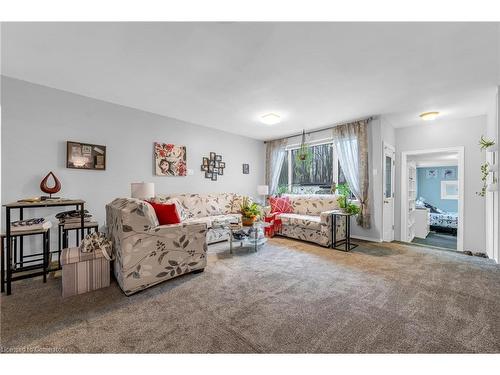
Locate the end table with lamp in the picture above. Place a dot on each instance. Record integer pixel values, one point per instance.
(263, 190)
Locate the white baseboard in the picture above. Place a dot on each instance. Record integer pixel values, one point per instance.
(366, 238)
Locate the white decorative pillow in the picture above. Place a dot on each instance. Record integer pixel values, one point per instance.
(182, 212)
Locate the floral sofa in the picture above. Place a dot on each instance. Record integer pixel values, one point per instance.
(206, 208)
(311, 219)
(148, 253)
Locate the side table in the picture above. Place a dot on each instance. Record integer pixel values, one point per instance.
(254, 235)
(275, 226)
(336, 244)
(78, 203)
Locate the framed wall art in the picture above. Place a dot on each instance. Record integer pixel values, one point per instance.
(169, 159)
(213, 166)
(449, 189)
(246, 168)
(85, 156)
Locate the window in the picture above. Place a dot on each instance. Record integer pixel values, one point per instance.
(388, 177)
(317, 171)
(314, 176)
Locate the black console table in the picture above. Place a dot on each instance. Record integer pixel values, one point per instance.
(336, 244)
(79, 204)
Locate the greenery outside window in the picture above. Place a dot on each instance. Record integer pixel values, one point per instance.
(314, 176)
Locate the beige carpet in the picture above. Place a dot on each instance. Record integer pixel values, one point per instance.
(290, 297)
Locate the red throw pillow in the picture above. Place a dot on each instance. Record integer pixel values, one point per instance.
(166, 213)
(280, 205)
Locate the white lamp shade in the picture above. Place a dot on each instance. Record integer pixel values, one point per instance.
(492, 187)
(142, 190)
(262, 189)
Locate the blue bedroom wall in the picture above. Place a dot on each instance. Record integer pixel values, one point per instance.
(429, 187)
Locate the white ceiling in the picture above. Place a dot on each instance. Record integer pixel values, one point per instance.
(224, 75)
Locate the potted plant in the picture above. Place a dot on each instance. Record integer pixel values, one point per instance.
(304, 154)
(345, 203)
(249, 212)
(485, 143)
(281, 189)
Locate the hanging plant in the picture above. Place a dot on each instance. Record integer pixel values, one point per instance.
(304, 154)
(484, 176)
(485, 143)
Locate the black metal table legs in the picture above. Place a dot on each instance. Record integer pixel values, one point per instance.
(336, 244)
(9, 249)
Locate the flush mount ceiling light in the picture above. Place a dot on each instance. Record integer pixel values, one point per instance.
(270, 118)
(428, 116)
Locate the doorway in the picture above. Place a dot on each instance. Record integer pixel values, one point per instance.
(388, 194)
(432, 208)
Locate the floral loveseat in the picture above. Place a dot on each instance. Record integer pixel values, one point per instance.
(206, 208)
(148, 253)
(311, 219)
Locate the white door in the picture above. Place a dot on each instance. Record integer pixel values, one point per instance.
(388, 194)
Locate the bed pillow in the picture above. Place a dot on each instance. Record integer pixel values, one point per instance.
(280, 205)
(166, 213)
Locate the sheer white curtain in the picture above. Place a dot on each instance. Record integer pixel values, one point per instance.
(275, 155)
(351, 143)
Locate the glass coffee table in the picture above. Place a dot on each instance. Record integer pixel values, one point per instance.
(252, 236)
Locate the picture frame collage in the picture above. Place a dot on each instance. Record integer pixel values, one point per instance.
(213, 166)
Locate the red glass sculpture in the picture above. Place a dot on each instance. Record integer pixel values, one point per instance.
(50, 190)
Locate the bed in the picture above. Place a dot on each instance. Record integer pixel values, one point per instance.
(444, 222)
(440, 221)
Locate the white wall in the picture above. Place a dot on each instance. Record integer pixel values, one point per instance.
(37, 121)
(438, 134)
(492, 198)
(388, 132)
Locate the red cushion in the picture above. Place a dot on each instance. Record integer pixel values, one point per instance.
(281, 205)
(166, 213)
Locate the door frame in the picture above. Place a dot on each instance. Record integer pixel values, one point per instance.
(461, 180)
(385, 146)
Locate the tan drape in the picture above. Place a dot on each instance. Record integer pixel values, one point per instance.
(351, 143)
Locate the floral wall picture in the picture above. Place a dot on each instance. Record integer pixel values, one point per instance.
(170, 160)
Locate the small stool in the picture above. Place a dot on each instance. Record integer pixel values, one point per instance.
(21, 264)
(64, 230)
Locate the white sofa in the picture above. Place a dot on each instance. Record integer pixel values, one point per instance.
(147, 253)
(311, 219)
(205, 208)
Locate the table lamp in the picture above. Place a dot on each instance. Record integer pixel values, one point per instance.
(142, 190)
(263, 190)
